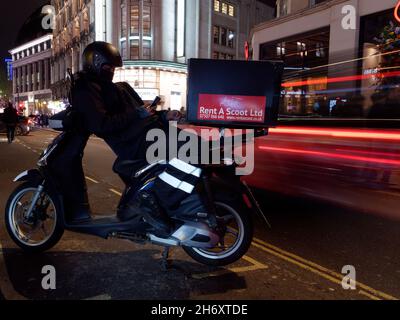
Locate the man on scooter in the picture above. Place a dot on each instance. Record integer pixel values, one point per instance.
(115, 113)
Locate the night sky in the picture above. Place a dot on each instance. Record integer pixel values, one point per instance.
(13, 14)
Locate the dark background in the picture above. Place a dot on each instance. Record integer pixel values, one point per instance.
(13, 14)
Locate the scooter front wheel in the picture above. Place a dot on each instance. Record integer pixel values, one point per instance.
(35, 230)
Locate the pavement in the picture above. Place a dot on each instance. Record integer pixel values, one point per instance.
(300, 258)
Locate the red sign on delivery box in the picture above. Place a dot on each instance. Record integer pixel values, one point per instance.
(215, 107)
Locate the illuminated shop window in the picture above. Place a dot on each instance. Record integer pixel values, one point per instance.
(150, 79)
(281, 49)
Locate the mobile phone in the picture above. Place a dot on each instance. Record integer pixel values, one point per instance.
(155, 103)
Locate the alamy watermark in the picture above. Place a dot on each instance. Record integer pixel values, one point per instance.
(49, 20)
(49, 280)
(349, 281)
(349, 21)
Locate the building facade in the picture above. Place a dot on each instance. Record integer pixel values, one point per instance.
(156, 38)
(74, 29)
(331, 53)
(32, 75)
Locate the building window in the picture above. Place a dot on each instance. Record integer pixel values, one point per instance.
(140, 12)
(123, 49)
(281, 49)
(231, 39)
(222, 56)
(299, 53)
(224, 37)
(146, 20)
(231, 11)
(224, 8)
(147, 49)
(135, 19)
(282, 8)
(123, 18)
(224, 34)
(216, 34)
(217, 5)
(135, 49)
(320, 50)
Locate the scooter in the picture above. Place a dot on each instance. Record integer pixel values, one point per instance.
(36, 220)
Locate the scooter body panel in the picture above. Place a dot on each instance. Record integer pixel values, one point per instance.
(106, 227)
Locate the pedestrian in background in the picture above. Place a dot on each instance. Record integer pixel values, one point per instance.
(11, 120)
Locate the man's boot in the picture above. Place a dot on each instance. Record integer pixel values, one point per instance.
(146, 206)
(154, 214)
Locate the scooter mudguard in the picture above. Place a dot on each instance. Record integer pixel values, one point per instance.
(28, 175)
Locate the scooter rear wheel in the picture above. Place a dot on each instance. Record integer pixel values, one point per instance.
(239, 229)
(44, 229)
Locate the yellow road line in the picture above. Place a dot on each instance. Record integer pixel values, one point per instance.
(255, 265)
(294, 259)
(315, 268)
(116, 192)
(372, 297)
(92, 180)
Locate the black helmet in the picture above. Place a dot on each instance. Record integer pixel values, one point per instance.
(98, 54)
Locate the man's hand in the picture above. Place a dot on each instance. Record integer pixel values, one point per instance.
(173, 116)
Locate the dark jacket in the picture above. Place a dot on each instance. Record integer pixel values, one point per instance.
(10, 117)
(112, 112)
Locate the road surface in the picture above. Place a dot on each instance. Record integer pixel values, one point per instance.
(300, 258)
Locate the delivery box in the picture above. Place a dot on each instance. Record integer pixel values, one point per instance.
(234, 94)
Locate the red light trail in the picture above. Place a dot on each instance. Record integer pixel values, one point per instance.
(340, 79)
(338, 133)
(332, 155)
(396, 12)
